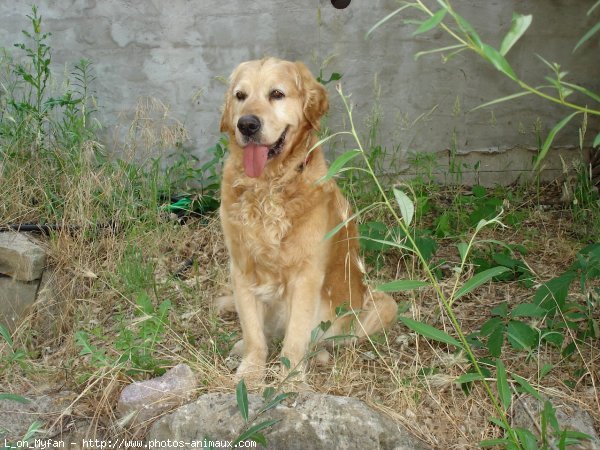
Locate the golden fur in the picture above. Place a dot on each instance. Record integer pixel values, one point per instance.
(286, 277)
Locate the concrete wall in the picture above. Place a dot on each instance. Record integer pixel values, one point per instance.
(179, 51)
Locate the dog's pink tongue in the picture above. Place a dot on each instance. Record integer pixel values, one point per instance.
(255, 159)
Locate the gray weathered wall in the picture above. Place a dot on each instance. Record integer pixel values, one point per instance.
(179, 51)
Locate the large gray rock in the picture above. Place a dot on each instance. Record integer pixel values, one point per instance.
(15, 298)
(20, 257)
(312, 421)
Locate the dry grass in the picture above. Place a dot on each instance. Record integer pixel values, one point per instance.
(92, 286)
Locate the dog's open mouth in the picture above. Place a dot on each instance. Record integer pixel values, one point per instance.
(257, 155)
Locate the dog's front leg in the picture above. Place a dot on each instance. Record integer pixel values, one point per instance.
(251, 314)
(304, 300)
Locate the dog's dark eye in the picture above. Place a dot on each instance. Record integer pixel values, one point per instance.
(276, 94)
(240, 95)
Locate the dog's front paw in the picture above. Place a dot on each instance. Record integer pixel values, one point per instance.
(252, 373)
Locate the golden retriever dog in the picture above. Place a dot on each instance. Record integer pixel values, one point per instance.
(275, 212)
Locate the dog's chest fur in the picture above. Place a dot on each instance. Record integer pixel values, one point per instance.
(262, 216)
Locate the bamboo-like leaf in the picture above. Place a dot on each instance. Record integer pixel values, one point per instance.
(430, 332)
(583, 90)
(407, 207)
(388, 243)
(337, 165)
(468, 377)
(550, 138)
(484, 223)
(596, 141)
(402, 285)
(498, 61)
(527, 387)
(502, 384)
(520, 23)
(594, 6)
(469, 30)
(248, 434)
(241, 394)
(14, 398)
(441, 49)
(276, 401)
(33, 429)
(6, 335)
(342, 224)
(463, 248)
(479, 279)
(325, 139)
(502, 99)
(586, 37)
(432, 22)
(388, 17)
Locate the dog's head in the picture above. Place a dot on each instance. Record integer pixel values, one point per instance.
(269, 105)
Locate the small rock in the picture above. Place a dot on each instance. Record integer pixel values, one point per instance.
(568, 416)
(20, 257)
(312, 421)
(144, 400)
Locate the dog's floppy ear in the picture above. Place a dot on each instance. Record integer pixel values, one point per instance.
(226, 116)
(316, 102)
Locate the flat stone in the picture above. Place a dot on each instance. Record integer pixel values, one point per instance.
(15, 298)
(20, 257)
(144, 400)
(312, 421)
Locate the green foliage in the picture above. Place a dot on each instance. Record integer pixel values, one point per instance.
(253, 431)
(26, 119)
(10, 355)
(137, 346)
(467, 209)
(486, 258)
(550, 317)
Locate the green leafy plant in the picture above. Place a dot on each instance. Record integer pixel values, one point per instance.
(30, 106)
(137, 344)
(252, 430)
(12, 355)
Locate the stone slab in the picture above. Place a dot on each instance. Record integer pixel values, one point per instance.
(20, 257)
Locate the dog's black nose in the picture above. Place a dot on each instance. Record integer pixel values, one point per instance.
(248, 125)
